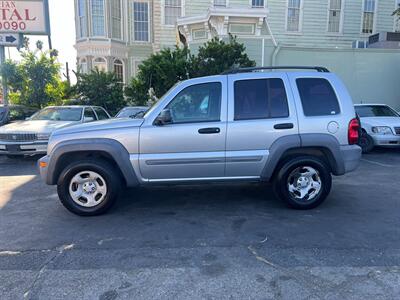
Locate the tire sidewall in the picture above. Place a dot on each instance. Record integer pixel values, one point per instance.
(369, 145)
(282, 180)
(103, 169)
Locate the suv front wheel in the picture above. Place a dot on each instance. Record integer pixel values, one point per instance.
(88, 187)
(303, 182)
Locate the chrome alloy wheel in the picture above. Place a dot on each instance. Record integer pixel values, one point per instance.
(304, 183)
(87, 189)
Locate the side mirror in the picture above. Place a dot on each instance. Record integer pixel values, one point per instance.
(88, 119)
(163, 118)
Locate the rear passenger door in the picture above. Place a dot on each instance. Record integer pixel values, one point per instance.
(261, 110)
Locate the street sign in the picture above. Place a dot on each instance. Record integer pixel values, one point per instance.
(9, 39)
(24, 16)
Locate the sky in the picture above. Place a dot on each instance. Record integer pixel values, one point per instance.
(62, 33)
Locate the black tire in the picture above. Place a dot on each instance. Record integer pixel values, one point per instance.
(366, 142)
(281, 181)
(105, 170)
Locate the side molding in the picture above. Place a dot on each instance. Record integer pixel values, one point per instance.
(115, 149)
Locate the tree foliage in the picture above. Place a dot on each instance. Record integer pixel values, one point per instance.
(162, 70)
(35, 80)
(100, 88)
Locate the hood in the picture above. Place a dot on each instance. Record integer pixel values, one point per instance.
(35, 126)
(101, 125)
(381, 121)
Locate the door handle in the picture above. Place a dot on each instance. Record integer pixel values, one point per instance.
(284, 126)
(211, 130)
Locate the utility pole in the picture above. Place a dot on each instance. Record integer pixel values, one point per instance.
(4, 81)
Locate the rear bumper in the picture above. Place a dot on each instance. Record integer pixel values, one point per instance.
(386, 140)
(351, 157)
(23, 148)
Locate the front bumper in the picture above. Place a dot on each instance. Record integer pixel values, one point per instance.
(23, 148)
(43, 165)
(351, 157)
(386, 140)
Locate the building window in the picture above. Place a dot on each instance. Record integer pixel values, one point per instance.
(141, 21)
(83, 66)
(82, 30)
(368, 16)
(293, 15)
(117, 20)
(199, 34)
(335, 7)
(220, 3)
(119, 70)
(172, 11)
(257, 3)
(135, 66)
(241, 29)
(98, 17)
(100, 64)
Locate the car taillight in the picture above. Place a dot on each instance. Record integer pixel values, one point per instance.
(354, 127)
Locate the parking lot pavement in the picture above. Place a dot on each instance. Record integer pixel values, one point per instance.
(216, 242)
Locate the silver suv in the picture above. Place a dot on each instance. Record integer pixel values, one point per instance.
(293, 129)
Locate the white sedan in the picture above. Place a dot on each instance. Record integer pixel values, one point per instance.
(31, 136)
(380, 126)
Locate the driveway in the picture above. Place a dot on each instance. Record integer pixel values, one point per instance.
(209, 242)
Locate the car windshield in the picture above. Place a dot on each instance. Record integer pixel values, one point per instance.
(129, 112)
(365, 111)
(59, 114)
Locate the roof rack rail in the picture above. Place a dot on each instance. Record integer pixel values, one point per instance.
(255, 69)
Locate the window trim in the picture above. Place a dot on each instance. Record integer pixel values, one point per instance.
(94, 113)
(374, 20)
(260, 118)
(300, 30)
(333, 89)
(192, 85)
(341, 21)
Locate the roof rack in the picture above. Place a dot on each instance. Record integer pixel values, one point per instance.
(255, 69)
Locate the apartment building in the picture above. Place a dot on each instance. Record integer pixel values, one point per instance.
(116, 35)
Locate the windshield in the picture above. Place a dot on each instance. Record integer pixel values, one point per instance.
(59, 114)
(129, 112)
(365, 111)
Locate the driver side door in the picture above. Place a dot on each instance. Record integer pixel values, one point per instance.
(192, 145)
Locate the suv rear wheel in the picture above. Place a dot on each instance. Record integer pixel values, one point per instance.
(89, 187)
(303, 182)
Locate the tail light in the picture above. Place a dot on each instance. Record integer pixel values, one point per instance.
(354, 127)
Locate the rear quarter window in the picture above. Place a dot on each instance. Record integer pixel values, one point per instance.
(317, 97)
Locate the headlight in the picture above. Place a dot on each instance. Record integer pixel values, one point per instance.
(43, 136)
(382, 130)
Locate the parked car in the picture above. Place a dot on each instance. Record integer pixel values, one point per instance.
(13, 113)
(31, 136)
(380, 126)
(294, 129)
(132, 112)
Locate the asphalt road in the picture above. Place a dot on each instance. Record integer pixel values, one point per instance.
(210, 242)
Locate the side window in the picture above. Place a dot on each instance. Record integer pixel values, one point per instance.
(101, 114)
(317, 97)
(197, 103)
(89, 113)
(260, 99)
(16, 114)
